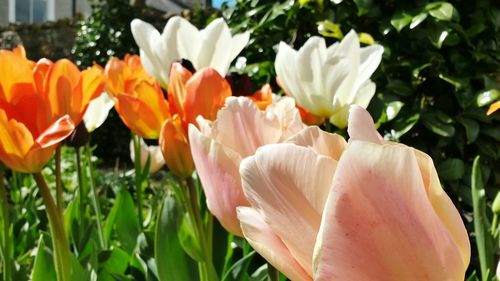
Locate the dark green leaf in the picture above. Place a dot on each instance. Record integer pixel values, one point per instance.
(400, 20)
(172, 263)
(451, 169)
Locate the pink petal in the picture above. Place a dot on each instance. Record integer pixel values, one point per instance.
(324, 143)
(288, 185)
(379, 224)
(361, 126)
(218, 170)
(269, 245)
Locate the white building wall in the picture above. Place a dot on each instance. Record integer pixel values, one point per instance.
(4, 11)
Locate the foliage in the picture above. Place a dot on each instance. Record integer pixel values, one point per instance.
(440, 70)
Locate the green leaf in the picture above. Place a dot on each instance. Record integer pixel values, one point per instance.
(366, 38)
(484, 240)
(437, 36)
(441, 10)
(439, 123)
(187, 239)
(43, 268)
(123, 219)
(418, 19)
(172, 263)
(330, 29)
(363, 6)
(487, 97)
(399, 87)
(400, 20)
(235, 272)
(402, 125)
(393, 109)
(451, 169)
(471, 128)
(116, 261)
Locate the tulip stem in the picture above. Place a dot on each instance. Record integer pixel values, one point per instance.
(138, 176)
(59, 188)
(273, 273)
(62, 254)
(6, 237)
(207, 269)
(81, 189)
(95, 199)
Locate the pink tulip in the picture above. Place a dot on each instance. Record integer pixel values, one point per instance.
(374, 211)
(219, 146)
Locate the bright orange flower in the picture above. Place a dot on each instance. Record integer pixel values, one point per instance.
(139, 99)
(29, 133)
(202, 94)
(175, 148)
(308, 118)
(493, 107)
(263, 97)
(67, 89)
(143, 109)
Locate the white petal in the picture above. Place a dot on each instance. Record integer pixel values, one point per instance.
(97, 111)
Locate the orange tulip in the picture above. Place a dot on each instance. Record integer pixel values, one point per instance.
(67, 89)
(175, 148)
(202, 94)
(29, 132)
(139, 99)
(263, 97)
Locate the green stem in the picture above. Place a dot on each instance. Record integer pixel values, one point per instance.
(6, 237)
(138, 177)
(62, 254)
(229, 252)
(272, 273)
(95, 199)
(81, 188)
(203, 234)
(59, 188)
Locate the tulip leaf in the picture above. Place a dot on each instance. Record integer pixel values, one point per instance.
(235, 271)
(123, 219)
(484, 240)
(187, 239)
(400, 20)
(172, 263)
(487, 97)
(43, 268)
(451, 169)
(330, 29)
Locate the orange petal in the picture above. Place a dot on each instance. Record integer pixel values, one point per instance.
(493, 107)
(116, 72)
(56, 133)
(92, 87)
(179, 76)
(175, 148)
(379, 224)
(16, 73)
(145, 111)
(206, 92)
(263, 97)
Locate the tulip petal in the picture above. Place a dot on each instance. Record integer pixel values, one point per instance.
(15, 70)
(98, 111)
(241, 126)
(179, 76)
(323, 143)
(240, 40)
(217, 167)
(361, 126)
(379, 224)
(206, 92)
(216, 42)
(56, 133)
(288, 185)
(151, 151)
(175, 148)
(370, 58)
(269, 245)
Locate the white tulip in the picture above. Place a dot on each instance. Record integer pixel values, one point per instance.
(153, 151)
(326, 81)
(213, 46)
(97, 111)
